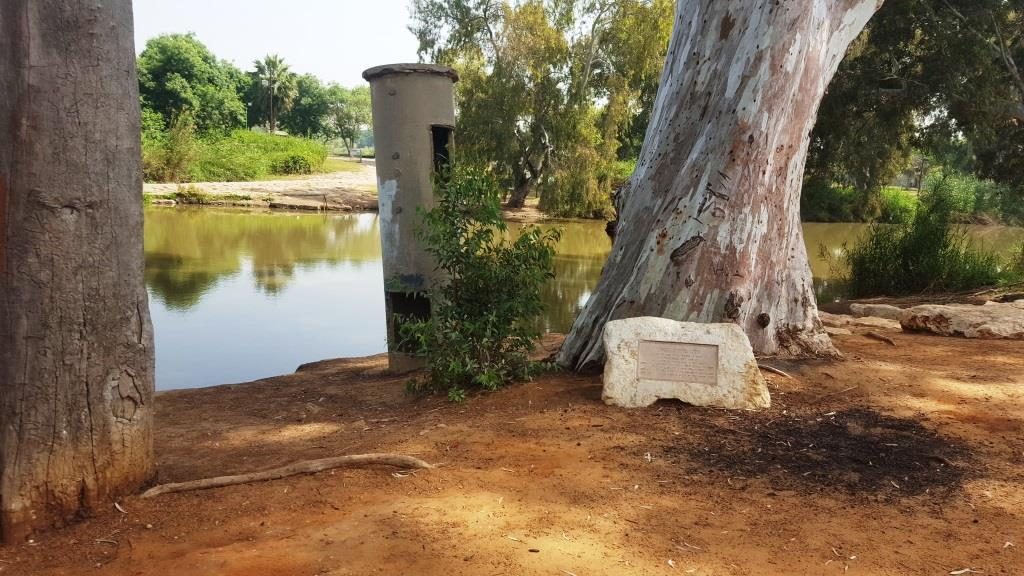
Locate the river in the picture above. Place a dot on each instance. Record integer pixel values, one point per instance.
(237, 295)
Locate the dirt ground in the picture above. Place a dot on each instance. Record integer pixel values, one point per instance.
(899, 460)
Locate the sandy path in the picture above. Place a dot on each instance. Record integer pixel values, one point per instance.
(345, 191)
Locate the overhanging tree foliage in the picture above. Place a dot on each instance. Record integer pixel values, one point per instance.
(935, 75)
(710, 228)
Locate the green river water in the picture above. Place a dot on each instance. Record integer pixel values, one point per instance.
(237, 295)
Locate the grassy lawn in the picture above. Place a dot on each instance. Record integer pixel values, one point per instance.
(331, 166)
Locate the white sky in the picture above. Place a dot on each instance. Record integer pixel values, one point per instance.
(334, 39)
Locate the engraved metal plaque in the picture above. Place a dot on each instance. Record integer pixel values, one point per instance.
(678, 362)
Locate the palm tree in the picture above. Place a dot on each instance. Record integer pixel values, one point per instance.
(274, 87)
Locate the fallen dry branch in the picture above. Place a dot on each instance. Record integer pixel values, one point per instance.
(304, 467)
(879, 337)
(767, 368)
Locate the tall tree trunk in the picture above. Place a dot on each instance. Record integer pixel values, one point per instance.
(710, 230)
(76, 351)
(519, 194)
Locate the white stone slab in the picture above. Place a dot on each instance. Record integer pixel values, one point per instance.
(876, 311)
(701, 364)
(834, 320)
(992, 322)
(872, 322)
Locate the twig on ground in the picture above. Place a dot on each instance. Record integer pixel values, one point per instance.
(767, 368)
(304, 467)
(881, 338)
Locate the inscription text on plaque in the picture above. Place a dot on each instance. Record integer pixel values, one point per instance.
(678, 362)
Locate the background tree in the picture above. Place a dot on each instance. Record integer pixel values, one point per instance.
(350, 113)
(76, 344)
(178, 74)
(547, 87)
(273, 90)
(710, 229)
(310, 109)
(937, 76)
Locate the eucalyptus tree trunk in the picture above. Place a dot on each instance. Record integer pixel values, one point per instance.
(76, 352)
(519, 194)
(710, 228)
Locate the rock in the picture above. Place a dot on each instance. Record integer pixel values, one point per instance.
(837, 331)
(834, 320)
(990, 322)
(872, 322)
(702, 364)
(163, 202)
(877, 311)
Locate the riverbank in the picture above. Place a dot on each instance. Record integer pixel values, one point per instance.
(353, 190)
(901, 460)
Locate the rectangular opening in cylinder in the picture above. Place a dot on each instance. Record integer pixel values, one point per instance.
(441, 138)
(405, 307)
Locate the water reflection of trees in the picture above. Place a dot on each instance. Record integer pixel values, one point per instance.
(189, 251)
(581, 254)
(564, 296)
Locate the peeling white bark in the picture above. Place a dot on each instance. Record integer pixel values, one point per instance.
(710, 229)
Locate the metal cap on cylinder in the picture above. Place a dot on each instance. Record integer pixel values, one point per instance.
(413, 128)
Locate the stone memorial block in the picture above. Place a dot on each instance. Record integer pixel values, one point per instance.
(649, 359)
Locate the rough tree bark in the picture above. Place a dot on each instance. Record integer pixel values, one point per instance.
(710, 229)
(76, 353)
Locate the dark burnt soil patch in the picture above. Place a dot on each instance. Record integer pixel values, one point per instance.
(858, 451)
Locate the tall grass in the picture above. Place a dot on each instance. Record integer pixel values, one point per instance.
(824, 202)
(896, 205)
(241, 156)
(970, 198)
(1016, 265)
(926, 254)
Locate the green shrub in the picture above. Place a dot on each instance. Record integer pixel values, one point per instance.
(190, 194)
(897, 205)
(926, 254)
(621, 171)
(584, 191)
(240, 156)
(233, 158)
(1016, 264)
(483, 325)
(823, 202)
(168, 157)
(292, 164)
(969, 197)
